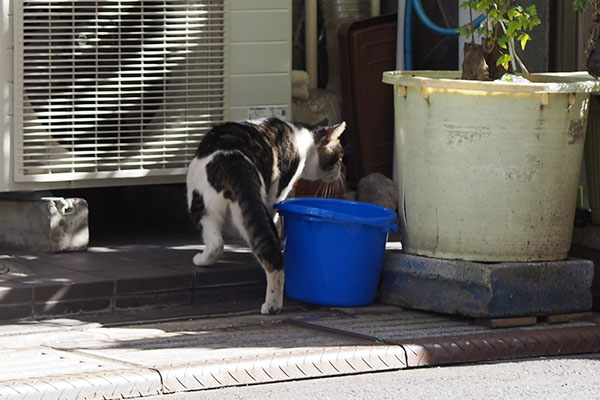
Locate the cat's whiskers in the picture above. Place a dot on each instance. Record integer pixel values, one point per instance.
(328, 190)
(320, 189)
(337, 185)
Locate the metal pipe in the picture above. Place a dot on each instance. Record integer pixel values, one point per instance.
(375, 8)
(400, 37)
(310, 42)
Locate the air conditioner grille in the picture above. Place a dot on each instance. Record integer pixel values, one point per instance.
(115, 85)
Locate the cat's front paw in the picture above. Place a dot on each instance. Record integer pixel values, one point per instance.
(269, 309)
(200, 260)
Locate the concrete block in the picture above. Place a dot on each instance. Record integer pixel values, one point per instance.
(48, 224)
(486, 290)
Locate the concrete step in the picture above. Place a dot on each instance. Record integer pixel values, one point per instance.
(122, 277)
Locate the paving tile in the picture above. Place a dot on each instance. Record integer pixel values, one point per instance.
(118, 278)
(16, 311)
(62, 308)
(149, 279)
(14, 292)
(225, 293)
(20, 267)
(227, 273)
(197, 310)
(161, 300)
(159, 256)
(77, 285)
(90, 261)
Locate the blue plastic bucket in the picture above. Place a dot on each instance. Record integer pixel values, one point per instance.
(334, 250)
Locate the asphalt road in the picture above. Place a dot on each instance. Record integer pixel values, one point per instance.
(573, 377)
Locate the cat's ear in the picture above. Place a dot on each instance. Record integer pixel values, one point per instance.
(323, 123)
(335, 131)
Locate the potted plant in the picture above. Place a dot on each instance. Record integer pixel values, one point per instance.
(489, 170)
(503, 24)
(592, 52)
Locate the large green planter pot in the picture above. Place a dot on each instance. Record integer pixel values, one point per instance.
(488, 171)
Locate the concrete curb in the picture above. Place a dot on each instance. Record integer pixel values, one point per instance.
(315, 363)
(114, 384)
(140, 382)
(280, 365)
(283, 367)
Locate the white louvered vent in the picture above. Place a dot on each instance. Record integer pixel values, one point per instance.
(115, 88)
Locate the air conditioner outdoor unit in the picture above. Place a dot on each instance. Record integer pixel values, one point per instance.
(120, 92)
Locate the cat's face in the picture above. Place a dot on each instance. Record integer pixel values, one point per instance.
(324, 160)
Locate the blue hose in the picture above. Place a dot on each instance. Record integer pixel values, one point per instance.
(408, 53)
(418, 8)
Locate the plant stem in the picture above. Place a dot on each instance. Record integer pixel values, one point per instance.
(472, 27)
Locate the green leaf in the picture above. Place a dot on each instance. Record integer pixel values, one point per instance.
(502, 41)
(513, 13)
(504, 60)
(512, 27)
(524, 38)
(580, 5)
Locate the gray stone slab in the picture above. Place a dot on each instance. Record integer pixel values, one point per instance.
(44, 224)
(486, 290)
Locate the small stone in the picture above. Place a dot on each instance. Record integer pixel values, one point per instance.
(300, 85)
(378, 189)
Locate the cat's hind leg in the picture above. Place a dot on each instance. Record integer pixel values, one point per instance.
(237, 180)
(213, 241)
(256, 225)
(211, 224)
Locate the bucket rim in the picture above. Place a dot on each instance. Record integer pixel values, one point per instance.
(385, 221)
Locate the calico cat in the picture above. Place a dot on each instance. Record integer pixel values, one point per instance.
(240, 170)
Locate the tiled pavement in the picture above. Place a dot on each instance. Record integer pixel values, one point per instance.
(131, 318)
